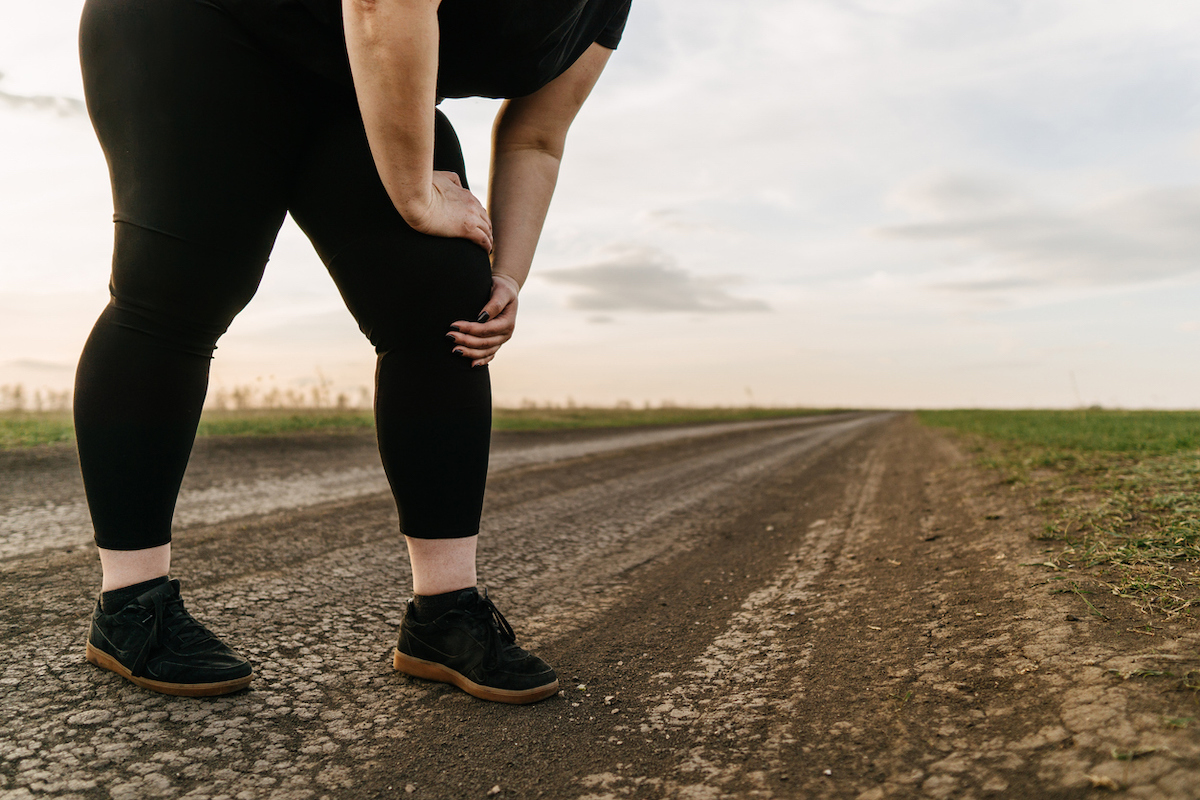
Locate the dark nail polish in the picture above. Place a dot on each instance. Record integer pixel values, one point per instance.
(473, 366)
(451, 338)
(458, 352)
(484, 317)
(455, 329)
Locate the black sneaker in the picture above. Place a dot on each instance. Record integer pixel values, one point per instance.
(473, 647)
(154, 642)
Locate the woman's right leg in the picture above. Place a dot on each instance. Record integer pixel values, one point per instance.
(432, 409)
(201, 132)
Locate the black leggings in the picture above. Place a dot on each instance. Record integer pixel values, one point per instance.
(210, 140)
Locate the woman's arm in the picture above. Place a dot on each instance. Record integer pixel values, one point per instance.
(527, 148)
(528, 140)
(393, 50)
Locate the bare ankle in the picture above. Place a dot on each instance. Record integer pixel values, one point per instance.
(127, 567)
(442, 565)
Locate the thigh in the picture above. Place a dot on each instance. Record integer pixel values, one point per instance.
(201, 131)
(404, 288)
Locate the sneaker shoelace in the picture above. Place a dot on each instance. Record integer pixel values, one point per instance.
(497, 626)
(169, 617)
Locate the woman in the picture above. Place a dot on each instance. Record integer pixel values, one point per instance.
(218, 117)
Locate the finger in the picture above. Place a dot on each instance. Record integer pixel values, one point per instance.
(493, 314)
(478, 228)
(504, 321)
(474, 339)
(483, 362)
(481, 238)
(504, 324)
(475, 352)
(475, 232)
(478, 341)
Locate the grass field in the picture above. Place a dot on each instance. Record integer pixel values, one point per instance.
(24, 429)
(27, 428)
(1120, 490)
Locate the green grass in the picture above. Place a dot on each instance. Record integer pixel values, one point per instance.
(1087, 431)
(1120, 491)
(25, 429)
(270, 421)
(28, 428)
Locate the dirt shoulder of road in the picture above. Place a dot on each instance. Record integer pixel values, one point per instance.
(912, 648)
(977, 674)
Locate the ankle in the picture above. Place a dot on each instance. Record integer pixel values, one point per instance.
(440, 566)
(124, 568)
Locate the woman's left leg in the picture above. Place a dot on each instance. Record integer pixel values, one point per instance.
(432, 409)
(405, 289)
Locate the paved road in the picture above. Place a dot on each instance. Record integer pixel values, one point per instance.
(810, 608)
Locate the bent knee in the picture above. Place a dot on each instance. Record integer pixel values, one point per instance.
(412, 288)
(181, 293)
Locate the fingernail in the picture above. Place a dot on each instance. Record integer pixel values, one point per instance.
(451, 338)
(455, 329)
(484, 317)
(473, 366)
(458, 352)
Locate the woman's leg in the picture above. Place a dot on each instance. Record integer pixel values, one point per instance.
(200, 132)
(433, 410)
(198, 129)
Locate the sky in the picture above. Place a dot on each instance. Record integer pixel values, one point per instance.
(910, 203)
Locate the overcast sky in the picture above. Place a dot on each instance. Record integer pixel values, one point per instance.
(819, 202)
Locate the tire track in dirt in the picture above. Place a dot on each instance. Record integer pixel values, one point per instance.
(744, 679)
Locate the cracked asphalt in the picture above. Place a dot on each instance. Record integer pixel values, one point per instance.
(832, 607)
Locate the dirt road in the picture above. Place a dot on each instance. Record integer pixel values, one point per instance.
(816, 608)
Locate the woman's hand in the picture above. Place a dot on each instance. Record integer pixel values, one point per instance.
(452, 212)
(480, 340)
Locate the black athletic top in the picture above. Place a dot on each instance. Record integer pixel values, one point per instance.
(489, 48)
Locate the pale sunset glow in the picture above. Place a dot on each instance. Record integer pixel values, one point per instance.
(793, 202)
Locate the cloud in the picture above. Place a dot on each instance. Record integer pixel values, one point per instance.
(65, 106)
(1134, 237)
(985, 285)
(646, 279)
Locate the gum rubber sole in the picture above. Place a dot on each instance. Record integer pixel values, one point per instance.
(105, 661)
(433, 671)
